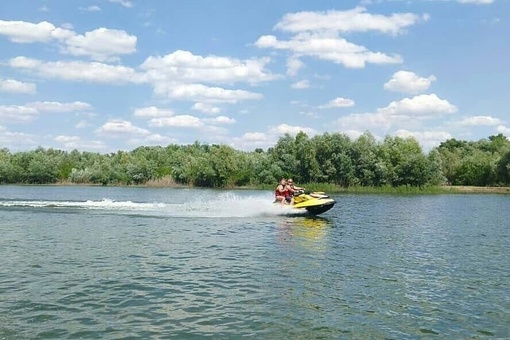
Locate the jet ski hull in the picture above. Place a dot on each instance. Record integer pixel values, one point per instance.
(319, 209)
(314, 203)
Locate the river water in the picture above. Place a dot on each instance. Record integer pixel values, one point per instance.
(112, 263)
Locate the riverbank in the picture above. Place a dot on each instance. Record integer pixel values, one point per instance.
(332, 188)
(325, 187)
(476, 190)
(427, 190)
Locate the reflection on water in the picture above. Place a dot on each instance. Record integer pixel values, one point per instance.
(306, 231)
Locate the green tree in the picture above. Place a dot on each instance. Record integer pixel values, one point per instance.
(364, 156)
(41, 168)
(474, 163)
(404, 162)
(478, 169)
(436, 176)
(306, 166)
(333, 154)
(504, 169)
(283, 154)
(225, 162)
(7, 170)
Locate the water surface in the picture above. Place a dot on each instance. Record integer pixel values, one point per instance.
(94, 262)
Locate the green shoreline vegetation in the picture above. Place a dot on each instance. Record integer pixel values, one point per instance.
(321, 187)
(330, 162)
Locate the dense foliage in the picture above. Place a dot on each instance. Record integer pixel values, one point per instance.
(328, 158)
(482, 163)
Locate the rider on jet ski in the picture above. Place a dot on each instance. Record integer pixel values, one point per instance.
(282, 192)
(292, 188)
(285, 191)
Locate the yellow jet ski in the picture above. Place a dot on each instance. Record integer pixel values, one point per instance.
(314, 202)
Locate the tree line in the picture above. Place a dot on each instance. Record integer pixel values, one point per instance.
(328, 158)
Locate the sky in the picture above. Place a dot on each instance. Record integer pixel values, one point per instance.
(108, 75)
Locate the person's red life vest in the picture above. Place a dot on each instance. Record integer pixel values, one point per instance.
(283, 193)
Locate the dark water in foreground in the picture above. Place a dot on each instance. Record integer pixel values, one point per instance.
(112, 263)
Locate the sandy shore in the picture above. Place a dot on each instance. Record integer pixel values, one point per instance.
(474, 190)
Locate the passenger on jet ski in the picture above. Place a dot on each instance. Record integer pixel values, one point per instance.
(282, 193)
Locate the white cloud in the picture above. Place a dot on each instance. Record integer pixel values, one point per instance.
(60, 107)
(68, 26)
(182, 75)
(421, 105)
(366, 121)
(326, 46)
(292, 130)
(206, 108)
(214, 132)
(504, 130)
(353, 134)
(300, 85)
(338, 102)
(252, 140)
(317, 34)
(173, 87)
(408, 113)
(220, 120)
(17, 114)
(152, 112)
(185, 67)
(255, 137)
(101, 44)
(15, 86)
(480, 121)
(78, 70)
(153, 139)
(478, 2)
(309, 114)
(82, 124)
(427, 139)
(494, 21)
(203, 93)
(179, 75)
(157, 138)
(92, 8)
(25, 63)
(293, 66)
(183, 121)
(75, 142)
(354, 20)
(121, 129)
(408, 82)
(27, 32)
(16, 140)
(30, 111)
(66, 139)
(123, 3)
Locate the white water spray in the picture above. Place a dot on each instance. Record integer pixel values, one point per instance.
(223, 205)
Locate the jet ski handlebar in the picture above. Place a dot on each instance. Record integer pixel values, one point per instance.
(301, 191)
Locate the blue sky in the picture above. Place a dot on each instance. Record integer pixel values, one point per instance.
(104, 75)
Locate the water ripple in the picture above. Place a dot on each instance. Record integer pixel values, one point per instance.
(374, 267)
